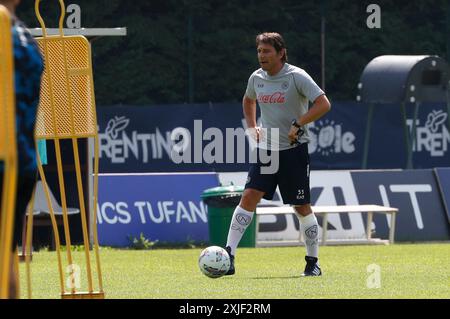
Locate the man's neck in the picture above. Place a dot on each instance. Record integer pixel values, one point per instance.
(275, 70)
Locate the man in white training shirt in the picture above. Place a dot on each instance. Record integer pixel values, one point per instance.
(283, 92)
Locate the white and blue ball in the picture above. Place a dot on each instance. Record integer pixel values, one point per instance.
(214, 262)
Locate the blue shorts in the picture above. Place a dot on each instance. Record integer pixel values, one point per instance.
(292, 176)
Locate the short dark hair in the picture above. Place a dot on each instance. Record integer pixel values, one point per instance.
(275, 40)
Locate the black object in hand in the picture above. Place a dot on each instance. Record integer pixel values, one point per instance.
(300, 133)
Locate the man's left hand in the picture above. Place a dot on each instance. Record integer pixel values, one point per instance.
(293, 134)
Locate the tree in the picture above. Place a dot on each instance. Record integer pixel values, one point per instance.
(155, 63)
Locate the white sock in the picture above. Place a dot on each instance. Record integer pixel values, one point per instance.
(239, 223)
(310, 229)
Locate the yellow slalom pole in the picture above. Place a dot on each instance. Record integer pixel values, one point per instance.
(53, 219)
(29, 241)
(7, 221)
(96, 245)
(8, 150)
(83, 213)
(62, 191)
(48, 84)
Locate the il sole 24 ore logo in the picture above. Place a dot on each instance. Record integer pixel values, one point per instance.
(328, 137)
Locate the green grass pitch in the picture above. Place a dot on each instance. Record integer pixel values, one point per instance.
(406, 271)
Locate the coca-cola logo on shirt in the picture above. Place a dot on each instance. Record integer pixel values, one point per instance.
(276, 97)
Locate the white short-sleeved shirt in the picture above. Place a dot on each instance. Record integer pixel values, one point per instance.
(282, 98)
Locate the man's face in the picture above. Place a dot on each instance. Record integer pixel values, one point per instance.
(268, 57)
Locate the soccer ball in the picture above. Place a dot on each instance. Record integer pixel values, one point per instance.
(214, 262)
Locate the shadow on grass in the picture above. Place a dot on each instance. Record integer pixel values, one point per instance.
(285, 277)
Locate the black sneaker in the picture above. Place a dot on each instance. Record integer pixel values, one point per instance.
(312, 267)
(231, 271)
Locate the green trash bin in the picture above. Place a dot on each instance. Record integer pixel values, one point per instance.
(221, 203)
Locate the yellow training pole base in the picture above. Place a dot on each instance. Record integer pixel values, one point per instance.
(22, 258)
(83, 295)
